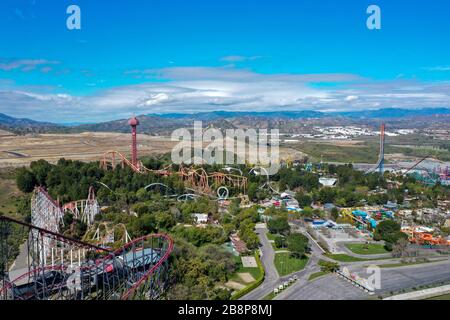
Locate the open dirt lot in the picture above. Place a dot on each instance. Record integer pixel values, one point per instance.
(246, 277)
(18, 151)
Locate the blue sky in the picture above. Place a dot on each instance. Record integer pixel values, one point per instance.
(158, 56)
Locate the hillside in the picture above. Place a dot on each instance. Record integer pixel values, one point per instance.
(285, 121)
(24, 125)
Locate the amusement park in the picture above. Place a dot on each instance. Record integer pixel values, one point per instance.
(207, 159)
(119, 245)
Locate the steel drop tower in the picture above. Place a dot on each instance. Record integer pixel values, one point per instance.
(380, 164)
(134, 122)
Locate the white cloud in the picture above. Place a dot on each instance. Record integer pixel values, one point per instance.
(351, 98)
(25, 64)
(195, 89)
(438, 68)
(239, 58)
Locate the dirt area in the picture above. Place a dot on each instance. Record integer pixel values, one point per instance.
(4, 133)
(246, 277)
(21, 150)
(344, 143)
(249, 262)
(234, 285)
(18, 151)
(289, 153)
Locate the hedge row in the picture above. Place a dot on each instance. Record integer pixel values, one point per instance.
(253, 285)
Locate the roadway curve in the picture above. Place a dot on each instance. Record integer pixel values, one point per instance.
(271, 278)
(330, 287)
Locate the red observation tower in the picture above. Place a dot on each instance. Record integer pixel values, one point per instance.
(134, 122)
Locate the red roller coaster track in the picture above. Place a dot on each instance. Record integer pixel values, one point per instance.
(135, 271)
(196, 178)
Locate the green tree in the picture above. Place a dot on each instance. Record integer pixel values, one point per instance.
(280, 242)
(25, 180)
(307, 212)
(297, 244)
(252, 190)
(278, 225)
(40, 170)
(389, 231)
(304, 200)
(334, 213)
(328, 266)
(327, 195)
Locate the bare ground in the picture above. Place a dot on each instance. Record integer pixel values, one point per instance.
(21, 150)
(17, 151)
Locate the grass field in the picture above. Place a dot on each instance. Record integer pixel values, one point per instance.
(278, 249)
(270, 236)
(270, 296)
(403, 264)
(286, 264)
(361, 152)
(362, 248)
(255, 272)
(347, 258)
(443, 297)
(365, 149)
(318, 274)
(8, 194)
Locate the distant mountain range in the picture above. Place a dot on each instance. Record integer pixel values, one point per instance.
(24, 125)
(364, 114)
(394, 113)
(286, 120)
(207, 116)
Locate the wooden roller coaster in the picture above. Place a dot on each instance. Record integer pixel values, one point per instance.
(84, 210)
(108, 233)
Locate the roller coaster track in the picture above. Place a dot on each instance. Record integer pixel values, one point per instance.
(84, 210)
(268, 184)
(416, 164)
(111, 159)
(380, 162)
(196, 178)
(105, 233)
(138, 270)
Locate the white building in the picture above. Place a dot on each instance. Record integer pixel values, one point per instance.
(200, 218)
(328, 182)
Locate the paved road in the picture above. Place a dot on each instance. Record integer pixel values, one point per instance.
(271, 278)
(392, 279)
(408, 277)
(325, 288)
(331, 287)
(21, 261)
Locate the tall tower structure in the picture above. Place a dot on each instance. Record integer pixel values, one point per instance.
(134, 122)
(380, 165)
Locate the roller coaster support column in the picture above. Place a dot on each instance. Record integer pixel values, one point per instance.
(381, 167)
(4, 233)
(134, 122)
